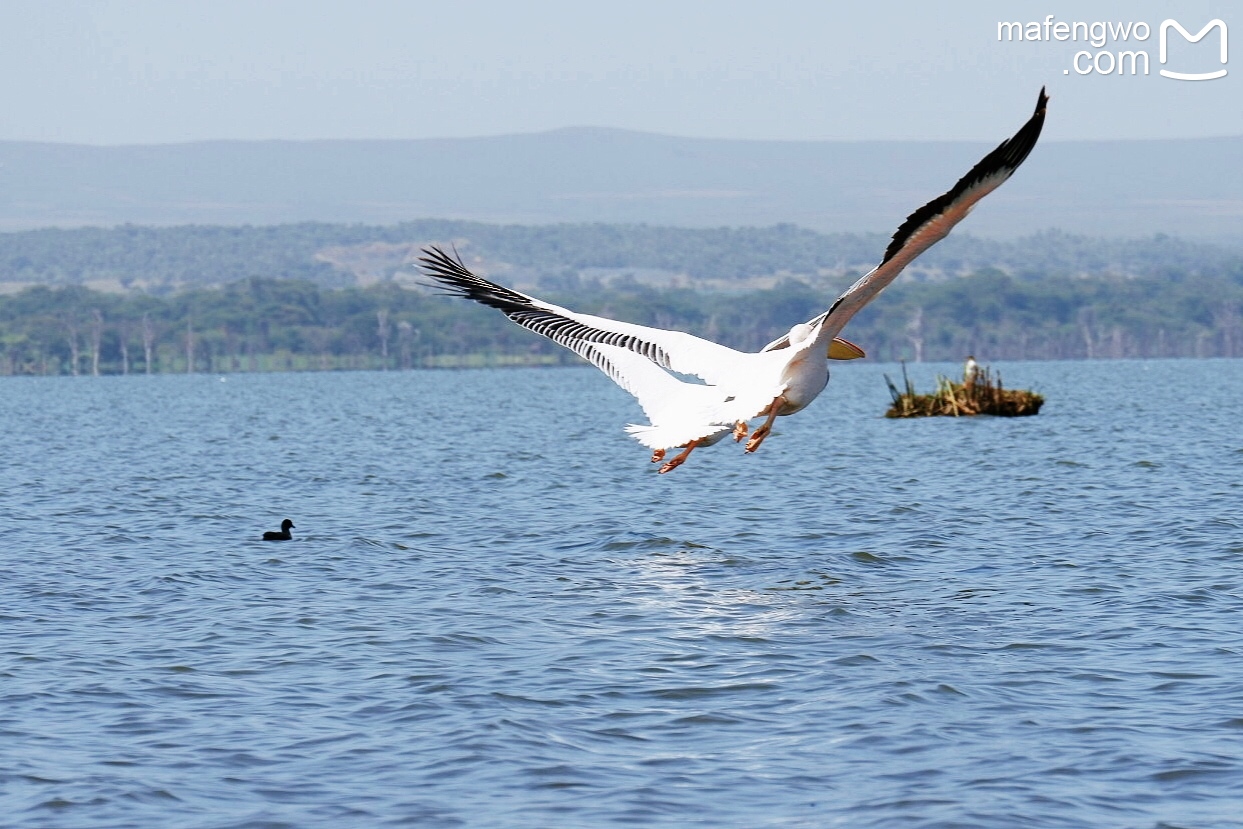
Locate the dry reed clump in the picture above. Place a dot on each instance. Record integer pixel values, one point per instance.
(982, 394)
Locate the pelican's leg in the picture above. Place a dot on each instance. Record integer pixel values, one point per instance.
(740, 430)
(680, 458)
(757, 437)
(658, 456)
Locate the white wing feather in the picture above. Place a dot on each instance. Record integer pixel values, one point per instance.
(674, 350)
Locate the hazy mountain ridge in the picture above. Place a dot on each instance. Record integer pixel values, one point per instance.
(1191, 187)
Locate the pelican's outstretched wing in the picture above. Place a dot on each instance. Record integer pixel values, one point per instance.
(673, 350)
(933, 222)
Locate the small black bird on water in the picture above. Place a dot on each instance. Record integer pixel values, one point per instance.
(283, 535)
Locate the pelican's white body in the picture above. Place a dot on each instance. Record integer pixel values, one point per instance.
(746, 387)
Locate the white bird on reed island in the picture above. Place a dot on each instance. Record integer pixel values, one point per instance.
(780, 379)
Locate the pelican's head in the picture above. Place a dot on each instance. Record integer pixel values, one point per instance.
(840, 349)
(798, 333)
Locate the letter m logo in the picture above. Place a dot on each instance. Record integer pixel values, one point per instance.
(1166, 25)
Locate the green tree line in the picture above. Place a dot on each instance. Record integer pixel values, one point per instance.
(258, 323)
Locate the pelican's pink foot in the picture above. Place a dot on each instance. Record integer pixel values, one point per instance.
(679, 459)
(740, 430)
(757, 437)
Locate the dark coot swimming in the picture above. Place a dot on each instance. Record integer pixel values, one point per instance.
(283, 535)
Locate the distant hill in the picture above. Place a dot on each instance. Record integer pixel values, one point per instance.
(1191, 188)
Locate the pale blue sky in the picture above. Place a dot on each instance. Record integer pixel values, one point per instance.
(154, 72)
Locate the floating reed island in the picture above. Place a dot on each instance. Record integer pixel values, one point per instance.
(980, 393)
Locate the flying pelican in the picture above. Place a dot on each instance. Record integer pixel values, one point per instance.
(781, 379)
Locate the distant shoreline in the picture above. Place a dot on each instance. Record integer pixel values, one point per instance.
(328, 297)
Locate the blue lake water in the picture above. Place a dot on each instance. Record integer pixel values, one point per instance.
(495, 614)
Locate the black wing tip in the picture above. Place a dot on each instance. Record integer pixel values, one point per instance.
(448, 271)
(434, 259)
(1007, 157)
(450, 274)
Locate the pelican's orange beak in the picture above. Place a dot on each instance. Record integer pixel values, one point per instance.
(841, 349)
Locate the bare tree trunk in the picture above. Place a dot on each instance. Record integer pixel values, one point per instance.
(74, 352)
(123, 331)
(382, 316)
(148, 340)
(189, 345)
(97, 337)
(915, 333)
(1085, 327)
